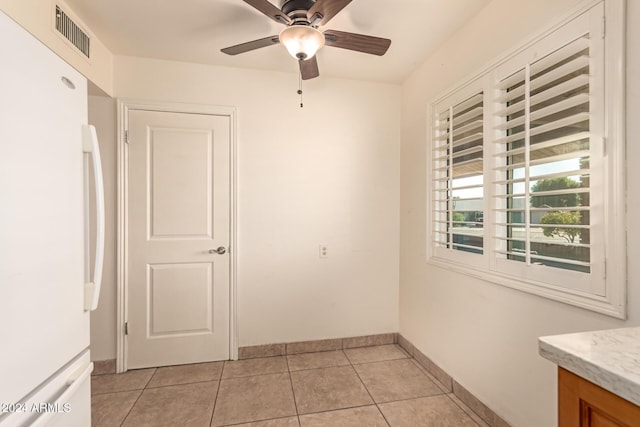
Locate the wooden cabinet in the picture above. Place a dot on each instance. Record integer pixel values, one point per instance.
(584, 404)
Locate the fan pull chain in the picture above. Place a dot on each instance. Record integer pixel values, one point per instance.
(300, 89)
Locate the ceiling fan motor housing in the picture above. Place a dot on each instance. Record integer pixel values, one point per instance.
(296, 7)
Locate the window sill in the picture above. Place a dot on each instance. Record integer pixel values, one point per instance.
(604, 305)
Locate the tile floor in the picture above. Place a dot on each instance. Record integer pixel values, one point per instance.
(369, 386)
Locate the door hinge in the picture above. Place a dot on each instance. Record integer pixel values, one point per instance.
(126, 136)
(126, 328)
(604, 146)
(604, 26)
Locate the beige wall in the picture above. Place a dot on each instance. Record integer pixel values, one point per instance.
(327, 173)
(483, 334)
(37, 17)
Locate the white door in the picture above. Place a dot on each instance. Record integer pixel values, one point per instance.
(178, 218)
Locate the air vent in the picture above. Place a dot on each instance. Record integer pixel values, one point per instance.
(72, 32)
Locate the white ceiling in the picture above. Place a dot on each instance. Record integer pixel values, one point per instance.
(196, 30)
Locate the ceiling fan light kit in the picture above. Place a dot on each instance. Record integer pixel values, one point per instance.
(302, 38)
(301, 41)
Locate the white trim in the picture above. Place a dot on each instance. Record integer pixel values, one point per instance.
(124, 106)
(615, 156)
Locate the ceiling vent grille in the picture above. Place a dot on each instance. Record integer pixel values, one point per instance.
(72, 32)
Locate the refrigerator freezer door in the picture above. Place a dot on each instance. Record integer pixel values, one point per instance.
(63, 401)
(44, 324)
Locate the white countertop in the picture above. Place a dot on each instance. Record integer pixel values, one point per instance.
(610, 359)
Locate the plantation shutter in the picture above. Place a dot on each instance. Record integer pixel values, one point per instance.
(458, 154)
(527, 166)
(548, 132)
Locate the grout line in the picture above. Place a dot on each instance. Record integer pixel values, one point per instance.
(338, 409)
(465, 411)
(380, 361)
(369, 393)
(155, 370)
(215, 401)
(131, 409)
(415, 398)
(293, 392)
(254, 375)
(115, 392)
(259, 421)
(320, 367)
(180, 384)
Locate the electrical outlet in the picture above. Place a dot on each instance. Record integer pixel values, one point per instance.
(324, 251)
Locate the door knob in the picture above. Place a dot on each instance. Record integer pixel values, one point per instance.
(220, 251)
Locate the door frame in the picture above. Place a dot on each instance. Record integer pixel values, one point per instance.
(124, 107)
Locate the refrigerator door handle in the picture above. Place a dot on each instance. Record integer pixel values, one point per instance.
(92, 288)
(73, 384)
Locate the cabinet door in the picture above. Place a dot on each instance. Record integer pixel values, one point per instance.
(584, 404)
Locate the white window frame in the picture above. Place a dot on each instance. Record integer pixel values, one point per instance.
(461, 94)
(609, 296)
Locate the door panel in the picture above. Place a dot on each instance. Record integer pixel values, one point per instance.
(181, 183)
(180, 298)
(178, 204)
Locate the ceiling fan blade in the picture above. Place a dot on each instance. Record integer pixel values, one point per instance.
(252, 45)
(326, 9)
(309, 68)
(269, 10)
(358, 42)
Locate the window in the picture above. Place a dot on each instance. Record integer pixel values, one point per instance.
(524, 186)
(458, 193)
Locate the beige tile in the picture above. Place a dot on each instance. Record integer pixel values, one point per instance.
(185, 374)
(325, 359)
(431, 377)
(474, 403)
(280, 422)
(267, 350)
(433, 411)
(369, 340)
(314, 346)
(325, 389)
(186, 405)
(468, 411)
(251, 367)
(499, 422)
(406, 345)
(110, 409)
(434, 369)
(132, 380)
(102, 367)
(375, 354)
(395, 380)
(263, 397)
(368, 416)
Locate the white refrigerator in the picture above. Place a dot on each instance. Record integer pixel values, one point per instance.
(47, 151)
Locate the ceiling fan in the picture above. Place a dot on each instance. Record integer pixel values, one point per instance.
(301, 36)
